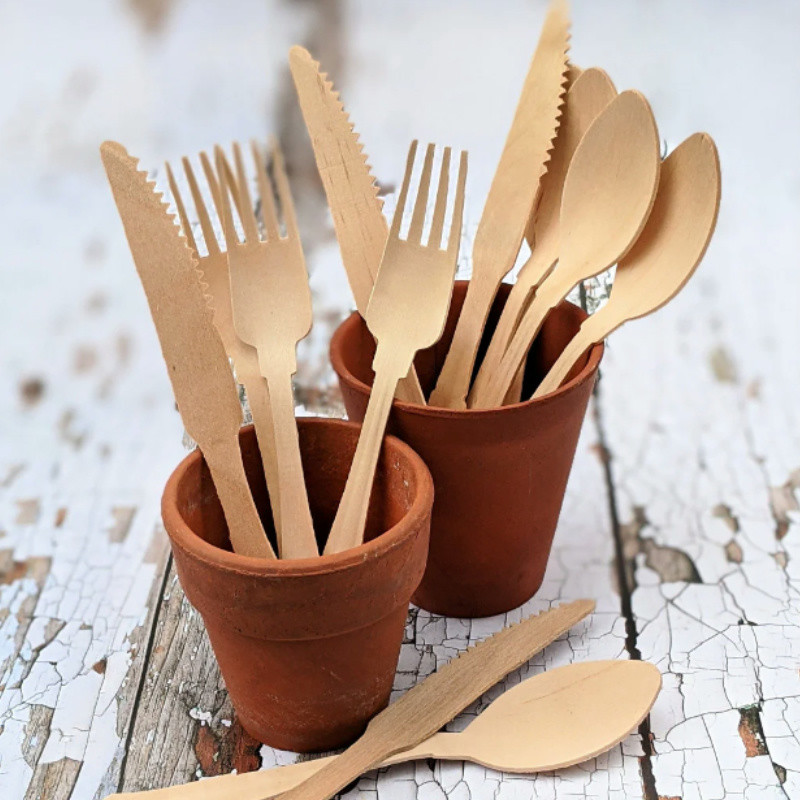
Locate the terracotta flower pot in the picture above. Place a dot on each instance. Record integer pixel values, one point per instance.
(499, 474)
(307, 647)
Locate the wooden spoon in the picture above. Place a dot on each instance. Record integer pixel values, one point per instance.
(666, 253)
(591, 92)
(608, 193)
(547, 722)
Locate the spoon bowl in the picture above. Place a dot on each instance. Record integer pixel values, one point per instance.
(665, 255)
(553, 720)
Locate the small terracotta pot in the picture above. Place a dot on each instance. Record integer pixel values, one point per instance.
(499, 474)
(307, 647)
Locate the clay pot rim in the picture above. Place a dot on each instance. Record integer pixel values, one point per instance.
(341, 369)
(409, 525)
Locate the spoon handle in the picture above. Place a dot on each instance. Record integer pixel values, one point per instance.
(490, 388)
(531, 274)
(247, 535)
(593, 329)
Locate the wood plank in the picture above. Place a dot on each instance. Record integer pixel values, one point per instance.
(89, 432)
(701, 417)
(186, 729)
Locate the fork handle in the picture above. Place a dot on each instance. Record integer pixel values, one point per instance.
(261, 410)
(348, 527)
(296, 537)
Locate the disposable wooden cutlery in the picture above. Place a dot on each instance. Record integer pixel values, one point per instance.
(272, 312)
(197, 364)
(550, 721)
(665, 255)
(352, 193)
(608, 193)
(512, 196)
(586, 97)
(214, 269)
(406, 312)
(423, 710)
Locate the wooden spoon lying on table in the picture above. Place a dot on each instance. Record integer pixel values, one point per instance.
(214, 268)
(665, 255)
(608, 193)
(591, 92)
(406, 312)
(272, 312)
(551, 721)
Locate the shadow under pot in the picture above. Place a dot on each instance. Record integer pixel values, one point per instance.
(307, 647)
(499, 474)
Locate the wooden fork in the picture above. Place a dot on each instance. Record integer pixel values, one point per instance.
(406, 312)
(271, 304)
(214, 266)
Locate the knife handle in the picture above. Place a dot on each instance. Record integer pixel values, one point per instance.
(362, 756)
(244, 526)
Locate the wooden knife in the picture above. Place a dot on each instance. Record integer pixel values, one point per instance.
(361, 228)
(198, 367)
(431, 704)
(512, 196)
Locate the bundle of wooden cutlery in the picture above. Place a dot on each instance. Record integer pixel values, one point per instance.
(580, 178)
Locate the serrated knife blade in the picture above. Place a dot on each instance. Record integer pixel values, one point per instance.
(198, 368)
(351, 190)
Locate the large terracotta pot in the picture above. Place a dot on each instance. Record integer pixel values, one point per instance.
(499, 474)
(307, 647)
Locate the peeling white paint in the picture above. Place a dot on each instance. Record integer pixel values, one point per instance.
(683, 443)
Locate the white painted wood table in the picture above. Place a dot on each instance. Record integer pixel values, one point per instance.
(681, 516)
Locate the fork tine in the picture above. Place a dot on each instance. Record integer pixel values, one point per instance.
(268, 212)
(211, 179)
(212, 246)
(223, 173)
(437, 224)
(284, 190)
(178, 200)
(454, 237)
(214, 184)
(397, 220)
(421, 206)
(247, 213)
